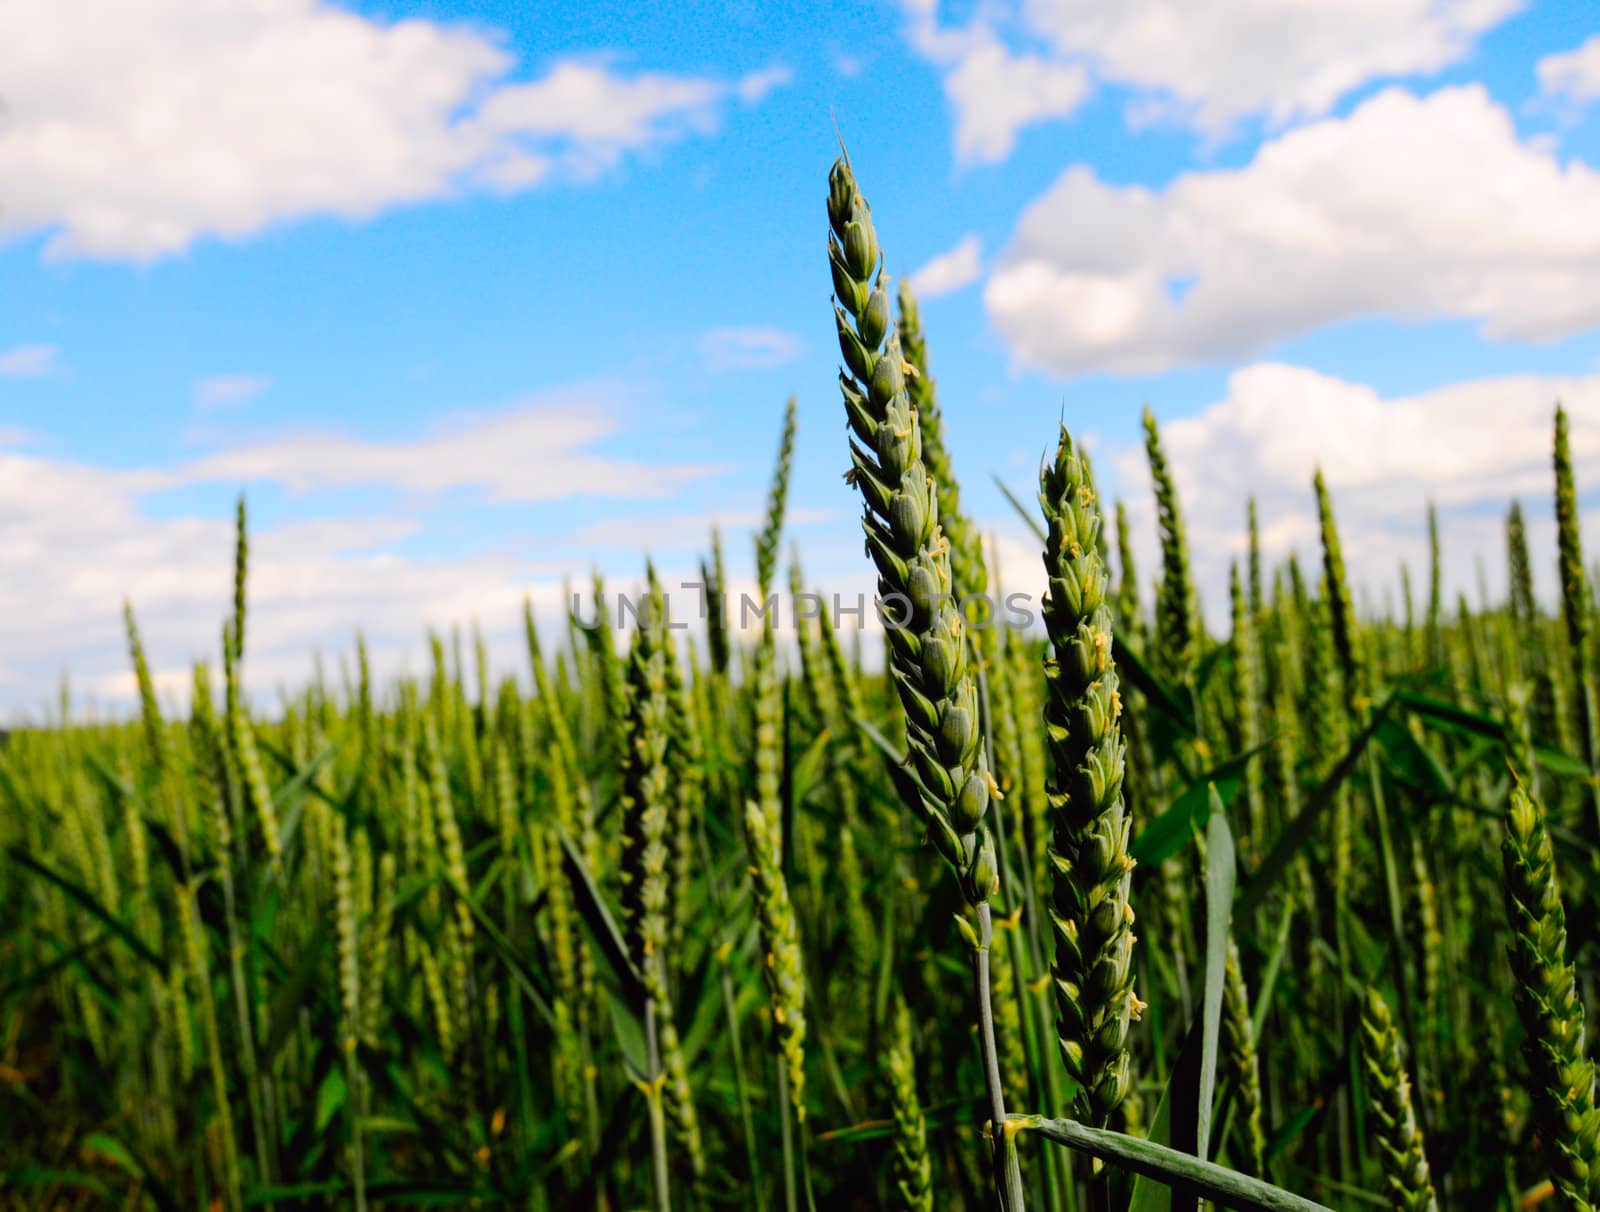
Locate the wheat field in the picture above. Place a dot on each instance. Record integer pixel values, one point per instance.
(1121, 911)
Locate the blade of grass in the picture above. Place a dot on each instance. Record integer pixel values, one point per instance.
(1185, 1174)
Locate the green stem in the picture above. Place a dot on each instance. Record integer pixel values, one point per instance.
(1007, 1167)
(247, 1047)
(1397, 955)
(1591, 741)
(213, 1036)
(790, 1200)
(658, 1121)
(358, 1097)
(195, 942)
(1036, 1026)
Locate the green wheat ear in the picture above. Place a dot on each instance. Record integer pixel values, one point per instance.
(1546, 994)
(715, 580)
(347, 952)
(913, 1172)
(1406, 1181)
(1129, 613)
(1576, 611)
(777, 504)
(647, 822)
(1519, 569)
(927, 657)
(1239, 1047)
(1092, 870)
(970, 573)
(783, 963)
(1336, 588)
(1253, 529)
(1245, 687)
(1178, 630)
(246, 757)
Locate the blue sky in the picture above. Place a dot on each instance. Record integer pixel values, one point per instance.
(470, 296)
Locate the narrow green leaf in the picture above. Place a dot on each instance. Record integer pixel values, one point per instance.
(330, 1097)
(628, 1030)
(44, 972)
(1298, 831)
(1289, 1132)
(538, 992)
(905, 779)
(1131, 667)
(1149, 1193)
(292, 994)
(1449, 715)
(1171, 830)
(603, 927)
(114, 1150)
(89, 902)
(1023, 512)
(1269, 974)
(1219, 906)
(1192, 1177)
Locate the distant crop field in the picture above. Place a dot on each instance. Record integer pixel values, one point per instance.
(1125, 909)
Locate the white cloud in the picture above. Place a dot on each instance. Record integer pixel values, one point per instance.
(1220, 60)
(749, 348)
(994, 91)
(1205, 63)
(77, 540)
(951, 270)
(1573, 74)
(541, 450)
(846, 66)
(28, 361)
(1469, 446)
(757, 85)
(1412, 208)
(997, 93)
(78, 544)
(229, 391)
(134, 127)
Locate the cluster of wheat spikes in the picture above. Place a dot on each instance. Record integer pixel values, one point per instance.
(1112, 914)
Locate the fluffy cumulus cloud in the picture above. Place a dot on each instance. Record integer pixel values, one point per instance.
(994, 91)
(1572, 75)
(951, 270)
(1220, 60)
(1205, 63)
(1470, 447)
(1411, 208)
(134, 127)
